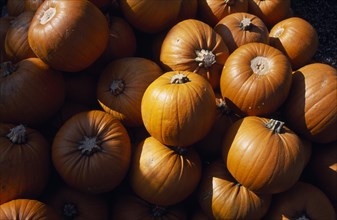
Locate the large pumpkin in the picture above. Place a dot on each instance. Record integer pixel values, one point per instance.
(39, 91)
(222, 197)
(68, 35)
(310, 108)
(164, 175)
(302, 201)
(296, 38)
(192, 45)
(121, 86)
(264, 155)
(24, 162)
(256, 79)
(91, 152)
(178, 108)
(241, 28)
(26, 209)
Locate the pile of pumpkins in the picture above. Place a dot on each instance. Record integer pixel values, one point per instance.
(157, 109)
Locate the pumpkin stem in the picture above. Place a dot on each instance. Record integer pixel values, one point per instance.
(222, 106)
(89, 146)
(179, 150)
(246, 24)
(205, 58)
(229, 2)
(70, 210)
(259, 65)
(303, 217)
(158, 211)
(179, 78)
(117, 87)
(7, 68)
(275, 125)
(48, 15)
(17, 135)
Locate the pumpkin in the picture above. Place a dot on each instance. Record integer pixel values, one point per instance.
(91, 152)
(178, 108)
(310, 109)
(158, 172)
(241, 28)
(26, 209)
(153, 16)
(263, 154)
(68, 35)
(192, 45)
(16, 43)
(296, 38)
(128, 206)
(121, 86)
(222, 197)
(122, 39)
(302, 201)
(4, 26)
(39, 91)
(323, 168)
(24, 153)
(69, 203)
(271, 11)
(212, 11)
(256, 79)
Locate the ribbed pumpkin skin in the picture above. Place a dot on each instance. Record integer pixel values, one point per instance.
(26, 209)
(234, 33)
(121, 86)
(263, 160)
(212, 11)
(178, 114)
(222, 197)
(16, 44)
(251, 86)
(310, 109)
(74, 37)
(181, 43)
(39, 92)
(25, 166)
(296, 38)
(301, 200)
(91, 152)
(158, 172)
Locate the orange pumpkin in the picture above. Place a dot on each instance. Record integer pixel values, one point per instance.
(256, 79)
(68, 35)
(296, 38)
(178, 108)
(192, 45)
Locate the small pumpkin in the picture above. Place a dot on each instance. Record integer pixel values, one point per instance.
(26, 209)
(91, 152)
(68, 35)
(256, 79)
(16, 43)
(310, 109)
(241, 28)
(192, 45)
(178, 108)
(296, 38)
(212, 11)
(39, 91)
(121, 86)
(302, 201)
(158, 172)
(264, 155)
(24, 152)
(222, 197)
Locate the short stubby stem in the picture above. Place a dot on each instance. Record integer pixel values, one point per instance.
(179, 78)
(303, 217)
(230, 2)
(205, 58)
(259, 65)
(48, 15)
(89, 146)
(158, 211)
(7, 68)
(17, 135)
(179, 150)
(70, 211)
(246, 24)
(278, 32)
(222, 106)
(275, 125)
(117, 87)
